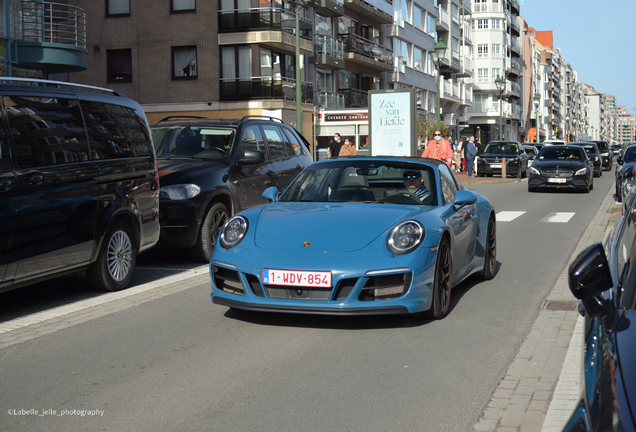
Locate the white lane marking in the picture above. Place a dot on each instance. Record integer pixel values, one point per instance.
(558, 217)
(507, 216)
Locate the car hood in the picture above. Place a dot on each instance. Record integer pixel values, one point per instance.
(562, 164)
(626, 347)
(175, 171)
(327, 227)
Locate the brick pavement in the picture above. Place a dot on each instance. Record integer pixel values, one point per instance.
(541, 386)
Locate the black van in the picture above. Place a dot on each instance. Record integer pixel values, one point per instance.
(79, 188)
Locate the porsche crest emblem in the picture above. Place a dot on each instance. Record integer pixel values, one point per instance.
(305, 244)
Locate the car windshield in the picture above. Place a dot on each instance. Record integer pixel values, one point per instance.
(589, 149)
(365, 181)
(531, 151)
(501, 148)
(559, 153)
(193, 142)
(630, 155)
(602, 145)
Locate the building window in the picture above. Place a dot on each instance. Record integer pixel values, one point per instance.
(482, 24)
(117, 7)
(119, 65)
(418, 60)
(430, 26)
(495, 23)
(495, 50)
(482, 50)
(482, 74)
(182, 6)
(184, 62)
(417, 18)
(495, 73)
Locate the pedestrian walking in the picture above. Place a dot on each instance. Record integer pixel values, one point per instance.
(334, 147)
(470, 151)
(348, 149)
(439, 148)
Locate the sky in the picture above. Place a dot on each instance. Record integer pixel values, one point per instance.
(596, 37)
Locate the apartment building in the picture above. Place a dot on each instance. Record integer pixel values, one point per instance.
(574, 105)
(595, 112)
(41, 39)
(626, 126)
(496, 31)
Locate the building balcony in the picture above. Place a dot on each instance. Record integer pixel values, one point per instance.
(330, 8)
(329, 52)
(466, 32)
(50, 35)
(380, 11)
(466, 8)
(484, 7)
(249, 88)
(455, 92)
(466, 68)
(355, 98)
(443, 21)
(330, 100)
(367, 53)
(515, 45)
(271, 26)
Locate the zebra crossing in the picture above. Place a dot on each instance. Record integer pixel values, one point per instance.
(552, 217)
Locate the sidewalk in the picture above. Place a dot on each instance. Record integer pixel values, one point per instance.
(541, 386)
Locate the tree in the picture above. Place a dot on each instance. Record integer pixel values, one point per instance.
(425, 129)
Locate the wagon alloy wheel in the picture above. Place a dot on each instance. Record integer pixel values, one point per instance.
(116, 262)
(213, 221)
(490, 259)
(442, 283)
(119, 256)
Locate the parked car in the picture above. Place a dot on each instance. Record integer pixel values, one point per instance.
(595, 156)
(531, 151)
(212, 169)
(603, 277)
(78, 184)
(539, 146)
(381, 249)
(561, 167)
(625, 177)
(491, 160)
(606, 153)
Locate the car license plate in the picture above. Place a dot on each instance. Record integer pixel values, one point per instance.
(297, 278)
(556, 180)
(495, 165)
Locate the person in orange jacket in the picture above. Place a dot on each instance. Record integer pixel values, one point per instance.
(439, 148)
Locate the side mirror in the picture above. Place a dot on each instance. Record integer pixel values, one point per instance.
(588, 277)
(252, 157)
(463, 198)
(270, 194)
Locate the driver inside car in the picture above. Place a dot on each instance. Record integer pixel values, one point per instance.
(414, 183)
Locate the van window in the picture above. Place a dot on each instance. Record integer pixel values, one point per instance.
(279, 148)
(293, 140)
(115, 131)
(46, 131)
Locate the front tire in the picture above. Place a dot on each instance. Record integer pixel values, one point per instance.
(442, 283)
(490, 261)
(116, 261)
(213, 221)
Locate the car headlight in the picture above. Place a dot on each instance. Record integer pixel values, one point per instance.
(179, 192)
(512, 160)
(605, 154)
(405, 237)
(533, 170)
(233, 232)
(582, 171)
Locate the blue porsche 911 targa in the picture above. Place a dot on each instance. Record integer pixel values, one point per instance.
(357, 236)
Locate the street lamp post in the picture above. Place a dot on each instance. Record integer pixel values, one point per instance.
(438, 54)
(500, 82)
(536, 98)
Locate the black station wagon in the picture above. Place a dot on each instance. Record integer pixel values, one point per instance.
(211, 169)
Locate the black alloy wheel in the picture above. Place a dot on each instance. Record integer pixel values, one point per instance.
(442, 283)
(490, 261)
(213, 221)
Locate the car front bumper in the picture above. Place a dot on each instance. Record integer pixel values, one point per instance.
(485, 167)
(179, 222)
(575, 182)
(238, 283)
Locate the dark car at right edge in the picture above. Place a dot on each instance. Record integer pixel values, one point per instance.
(625, 172)
(604, 279)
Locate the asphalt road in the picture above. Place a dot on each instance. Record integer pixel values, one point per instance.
(168, 359)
